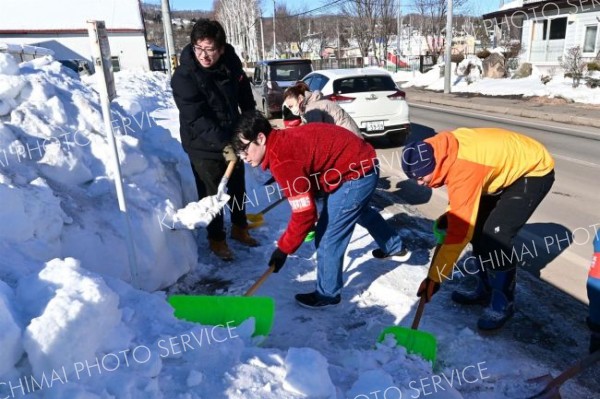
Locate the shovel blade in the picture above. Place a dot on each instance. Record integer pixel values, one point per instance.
(418, 342)
(255, 220)
(226, 310)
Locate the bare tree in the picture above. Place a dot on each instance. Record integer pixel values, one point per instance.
(387, 22)
(240, 20)
(433, 21)
(364, 15)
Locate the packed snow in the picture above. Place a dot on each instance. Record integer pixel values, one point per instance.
(532, 86)
(75, 324)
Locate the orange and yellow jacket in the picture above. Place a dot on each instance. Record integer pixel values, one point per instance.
(472, 163)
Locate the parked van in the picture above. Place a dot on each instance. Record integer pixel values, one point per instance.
(272, 77)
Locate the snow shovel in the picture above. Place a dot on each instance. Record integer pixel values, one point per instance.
(551, 391)
(257, 219)
(420, 342)
(415, 341)
(228, 310)
(201, 213)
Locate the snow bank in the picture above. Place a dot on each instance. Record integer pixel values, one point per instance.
(67, 331)
(10, 332)
(57, 181)
(307, 374)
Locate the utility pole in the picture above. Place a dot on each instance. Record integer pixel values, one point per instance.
(274, 42)
(448, 60)
(398, 32)
(338, 40)
(169, 42)
(262, 36)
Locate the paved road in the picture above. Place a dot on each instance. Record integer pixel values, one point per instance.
(561, 250)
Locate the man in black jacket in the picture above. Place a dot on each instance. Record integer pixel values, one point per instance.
(210, 87)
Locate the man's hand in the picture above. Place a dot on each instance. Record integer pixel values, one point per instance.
(428, 288)
(278, 258)
(229, 154)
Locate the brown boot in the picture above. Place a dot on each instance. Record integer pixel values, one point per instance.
(241, 234)
(220, 249)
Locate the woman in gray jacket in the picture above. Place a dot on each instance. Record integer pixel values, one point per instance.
(312, 107)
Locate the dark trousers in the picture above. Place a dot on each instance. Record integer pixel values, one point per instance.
(208, 173)
(500, 218)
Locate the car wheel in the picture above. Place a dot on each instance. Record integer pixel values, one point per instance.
(266, 111)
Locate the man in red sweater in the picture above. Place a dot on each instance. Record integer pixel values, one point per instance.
(329, 158)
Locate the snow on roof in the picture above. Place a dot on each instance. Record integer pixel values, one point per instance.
(24, 49)
(35, 15)
(511, 5)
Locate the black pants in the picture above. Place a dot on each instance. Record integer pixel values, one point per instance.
(500, 218)
(208, 173)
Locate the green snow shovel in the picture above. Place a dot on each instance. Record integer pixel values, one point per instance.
(231, 310)
(420, 342)
(415, 341)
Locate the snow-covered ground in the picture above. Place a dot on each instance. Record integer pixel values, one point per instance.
(558, 87)
(74, 325)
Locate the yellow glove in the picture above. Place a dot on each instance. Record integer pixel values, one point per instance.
(229, 154)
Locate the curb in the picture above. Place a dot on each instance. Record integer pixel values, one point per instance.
(525, 113)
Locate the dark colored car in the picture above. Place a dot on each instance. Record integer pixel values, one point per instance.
(272, 77)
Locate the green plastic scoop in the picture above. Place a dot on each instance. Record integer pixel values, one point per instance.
(419, 342)
(228, 310)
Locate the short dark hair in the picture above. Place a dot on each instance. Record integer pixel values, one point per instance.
(208, 29)
(250, 124)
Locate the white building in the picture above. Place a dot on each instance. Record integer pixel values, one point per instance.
(548, 29)
(60, 25)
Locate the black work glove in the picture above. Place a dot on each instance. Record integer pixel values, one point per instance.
(278, 258)
(595, 337)
(428, 288)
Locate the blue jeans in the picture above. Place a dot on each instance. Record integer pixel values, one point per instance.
(342, 209)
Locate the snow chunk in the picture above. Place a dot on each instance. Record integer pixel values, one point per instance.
(307, 373)
(199, 213)
(76, 321)
(8, 65)
(10, 332)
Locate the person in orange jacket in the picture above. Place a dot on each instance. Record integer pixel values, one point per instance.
(495, 179)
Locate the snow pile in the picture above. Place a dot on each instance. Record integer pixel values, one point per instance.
(471, 68)
(530, 86)
(57, 181)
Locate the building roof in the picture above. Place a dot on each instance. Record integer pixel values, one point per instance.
(35, 16)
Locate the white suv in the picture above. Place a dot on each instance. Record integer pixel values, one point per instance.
(369, 96)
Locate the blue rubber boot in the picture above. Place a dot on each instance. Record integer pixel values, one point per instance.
(475, 290)
(502, 304)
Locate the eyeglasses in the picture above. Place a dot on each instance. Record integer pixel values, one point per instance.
(244, 149)
(207, 51)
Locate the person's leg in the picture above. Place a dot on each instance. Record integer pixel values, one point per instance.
(334, 229)
(476, 290)
(593, 291)
(210, 172)
(388, 240)
(515, 206)
(236, 188)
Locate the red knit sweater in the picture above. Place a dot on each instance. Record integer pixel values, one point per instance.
(308, 158)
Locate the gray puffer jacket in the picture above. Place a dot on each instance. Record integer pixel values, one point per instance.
(317, 109)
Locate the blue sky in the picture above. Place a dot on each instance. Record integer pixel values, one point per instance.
(476, 6)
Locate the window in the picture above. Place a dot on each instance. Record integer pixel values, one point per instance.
(589, 41)
(558, 29)
(317, 82)
(364, 84)
(290, 72)
(115, 64)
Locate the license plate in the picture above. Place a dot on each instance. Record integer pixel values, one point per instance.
(374, 126)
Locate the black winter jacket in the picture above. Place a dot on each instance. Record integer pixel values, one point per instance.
(208, 101)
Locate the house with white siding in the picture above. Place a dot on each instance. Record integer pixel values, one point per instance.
(548, 29)
(61, 26)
